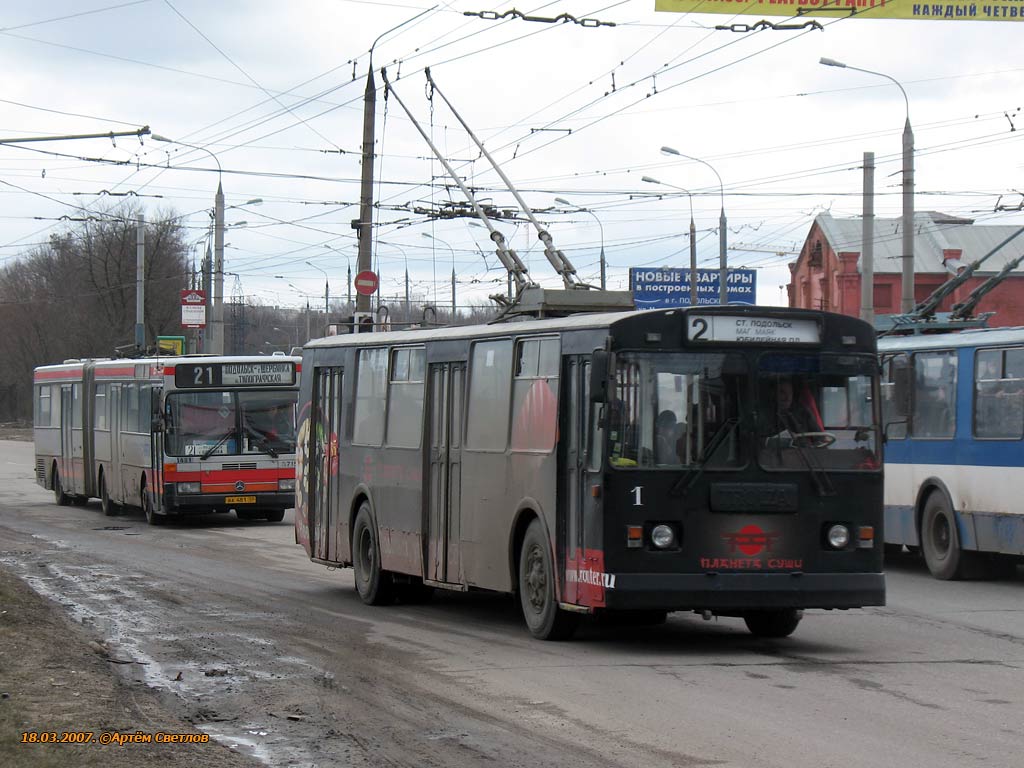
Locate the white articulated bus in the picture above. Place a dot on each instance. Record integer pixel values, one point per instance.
(174, 436)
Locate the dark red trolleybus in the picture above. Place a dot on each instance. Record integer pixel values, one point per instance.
(722, 460)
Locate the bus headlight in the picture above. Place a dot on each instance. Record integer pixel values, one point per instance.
(663, 537)
(189, 488)
(838, 536)
(286, 485)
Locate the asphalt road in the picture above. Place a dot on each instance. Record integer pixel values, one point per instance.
(240, 634)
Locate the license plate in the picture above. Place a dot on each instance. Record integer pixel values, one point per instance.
(239, 499)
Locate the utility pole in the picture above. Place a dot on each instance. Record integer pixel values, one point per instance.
(140, 283)
(364, 226)
(217, 326)
(867, 243)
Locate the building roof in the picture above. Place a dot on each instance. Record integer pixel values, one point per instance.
(934, 233)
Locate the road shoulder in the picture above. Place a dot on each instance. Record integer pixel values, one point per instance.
(56, 678)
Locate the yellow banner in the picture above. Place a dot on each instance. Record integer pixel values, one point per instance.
(956, 10)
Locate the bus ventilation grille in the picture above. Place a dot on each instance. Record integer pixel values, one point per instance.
(239, 465)
(40, 470)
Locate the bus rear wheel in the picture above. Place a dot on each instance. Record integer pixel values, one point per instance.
(545, 620)
(373, 584)
(777, 623)
(59, 495)
(106, 504)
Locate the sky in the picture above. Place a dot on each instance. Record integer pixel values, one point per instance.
(266, 97)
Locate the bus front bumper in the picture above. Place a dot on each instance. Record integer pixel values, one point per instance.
(736, 592)
(202, 503)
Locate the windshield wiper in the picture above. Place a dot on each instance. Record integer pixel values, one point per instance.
(261, 441)
(691, 474)
(223, 439)
(822, 480)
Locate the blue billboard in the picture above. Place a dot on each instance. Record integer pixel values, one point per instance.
(658, 287)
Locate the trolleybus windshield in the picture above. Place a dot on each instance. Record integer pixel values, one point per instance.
(669, 407)
(230, 423)
(817, 408)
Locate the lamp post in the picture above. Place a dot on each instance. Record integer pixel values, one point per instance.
(438, 239)
(327, 295)
(348, 281)
(723, 266)
(215, 335)
(907, 300)
(693, 239)
(563, 201)
(405, 258)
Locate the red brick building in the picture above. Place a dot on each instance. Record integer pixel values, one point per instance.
(827, 274)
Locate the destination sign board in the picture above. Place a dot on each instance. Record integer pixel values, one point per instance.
(752, 329)
(248, 374)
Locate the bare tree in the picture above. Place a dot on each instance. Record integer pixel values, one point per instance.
(75, 296)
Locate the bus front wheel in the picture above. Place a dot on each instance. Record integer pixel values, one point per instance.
(373, 584)
(152, 516)
(59, 495)
(940, 540)
(544, 618)
(778, 623)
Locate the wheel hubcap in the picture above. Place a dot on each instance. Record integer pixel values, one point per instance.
(366, 554)
(941, 535)
(536, 579)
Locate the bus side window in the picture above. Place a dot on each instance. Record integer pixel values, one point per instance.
(998, 393)
(895, 387)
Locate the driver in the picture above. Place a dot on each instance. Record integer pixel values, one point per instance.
(794, 417)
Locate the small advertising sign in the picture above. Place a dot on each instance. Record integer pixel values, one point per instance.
(664, 287)
(193, 308)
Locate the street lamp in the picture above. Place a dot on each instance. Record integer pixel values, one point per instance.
(438, 239)
(907, 301)
(405, 258)
(693, 238)
(723, 266)
(563, 201)
(327, 294)
(348, 281)
(215, 338)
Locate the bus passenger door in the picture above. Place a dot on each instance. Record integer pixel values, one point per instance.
(582, 521)
(156, 447)
(65, 465)
(575, 422)
(115, 482)
(443, 515)
(325, 427)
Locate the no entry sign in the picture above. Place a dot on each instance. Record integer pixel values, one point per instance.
(367, 282)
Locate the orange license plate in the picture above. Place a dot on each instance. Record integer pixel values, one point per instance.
(239, 499)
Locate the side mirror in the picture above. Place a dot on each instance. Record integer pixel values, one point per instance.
(599, 365)
(158, 423)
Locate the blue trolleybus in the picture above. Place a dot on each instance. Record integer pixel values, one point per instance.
(953, 407)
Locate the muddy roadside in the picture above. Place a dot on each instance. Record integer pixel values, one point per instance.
(55, 678)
